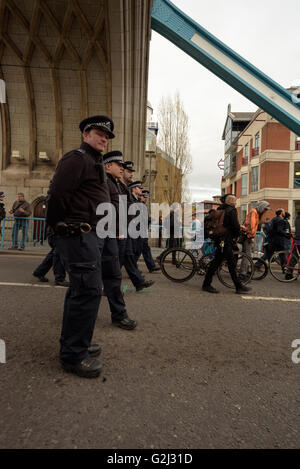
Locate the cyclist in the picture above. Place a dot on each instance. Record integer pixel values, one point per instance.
(225, 247)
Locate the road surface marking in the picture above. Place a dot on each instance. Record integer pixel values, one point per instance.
(268, 298)
(8, 284)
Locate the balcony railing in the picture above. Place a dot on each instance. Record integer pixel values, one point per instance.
(298, 145)
(244, 160)
(255, 151)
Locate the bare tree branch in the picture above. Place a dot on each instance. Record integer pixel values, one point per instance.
(173, 139)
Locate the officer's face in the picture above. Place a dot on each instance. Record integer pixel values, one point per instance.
(115, 169)
(97, 139)
(128, 175)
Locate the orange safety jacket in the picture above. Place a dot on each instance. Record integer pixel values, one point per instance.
(251, 223)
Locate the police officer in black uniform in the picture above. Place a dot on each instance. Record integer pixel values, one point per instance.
(146, 250)
(135, 188)
(126, 248)
(78, 187)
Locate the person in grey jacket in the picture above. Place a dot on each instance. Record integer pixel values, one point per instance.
(21, 210)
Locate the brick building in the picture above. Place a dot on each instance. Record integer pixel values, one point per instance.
(262, 162)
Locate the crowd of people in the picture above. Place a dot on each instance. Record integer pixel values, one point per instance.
(87, 177)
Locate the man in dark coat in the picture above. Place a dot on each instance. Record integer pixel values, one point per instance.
(77, 190)
(21, 210)
(225, 247)
(2, 207)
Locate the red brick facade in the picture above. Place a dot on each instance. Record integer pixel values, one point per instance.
(274, 174)
(275, 136)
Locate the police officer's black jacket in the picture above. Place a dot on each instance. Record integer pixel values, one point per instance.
(231, 222)
(115, 191)
(78, 186)
(2, 211)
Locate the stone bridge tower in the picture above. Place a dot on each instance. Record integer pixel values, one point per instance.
(63, 60)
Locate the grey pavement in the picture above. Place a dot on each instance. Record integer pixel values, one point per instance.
(200, 370)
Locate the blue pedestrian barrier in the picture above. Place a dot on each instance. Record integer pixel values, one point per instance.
(23, 232)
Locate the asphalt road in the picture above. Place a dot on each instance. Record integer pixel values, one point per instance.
(200, 370)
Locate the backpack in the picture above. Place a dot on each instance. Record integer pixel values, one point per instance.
(213, 224)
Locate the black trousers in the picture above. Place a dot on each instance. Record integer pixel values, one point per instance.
(81, 258)
(112, 277)
(147, 255)
(221, 254)
(51, 260)
(127, 259)
(137, 245)
(89, 261)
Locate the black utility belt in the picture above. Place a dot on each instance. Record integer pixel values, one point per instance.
(72, 229)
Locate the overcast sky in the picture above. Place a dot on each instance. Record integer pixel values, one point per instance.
(264, 32)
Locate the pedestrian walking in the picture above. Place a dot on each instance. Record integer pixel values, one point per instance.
(146, 250)
(225, 246)
(52, 260)
(126, 246)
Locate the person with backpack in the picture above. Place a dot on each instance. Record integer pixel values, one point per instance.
(224, 228)
(249, 230)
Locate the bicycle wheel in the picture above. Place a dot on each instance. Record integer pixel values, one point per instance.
(261, 271)
(284, 267)
(248, 267)
(178, 265)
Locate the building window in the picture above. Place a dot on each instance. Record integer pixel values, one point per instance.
(223, 192)
(256, 145)
(243, 213)
(254, 179)
(244, 190)
(297, 175)
(246, 150)
(228, 131)
(298, 143)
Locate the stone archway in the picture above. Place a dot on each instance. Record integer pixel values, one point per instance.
(62, 60)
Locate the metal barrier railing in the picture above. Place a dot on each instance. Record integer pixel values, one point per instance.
(23, 232)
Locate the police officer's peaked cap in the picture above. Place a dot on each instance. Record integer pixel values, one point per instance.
(2, 194)
(98, 122)
(131, 185)
(129, 165)
(113, 156)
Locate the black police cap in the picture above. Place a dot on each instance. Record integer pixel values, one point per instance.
(98, 122)
(131, 185)
(129, 165)
(113, 156)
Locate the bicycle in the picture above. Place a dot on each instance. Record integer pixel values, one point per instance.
(285, 265)
(179, 265)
